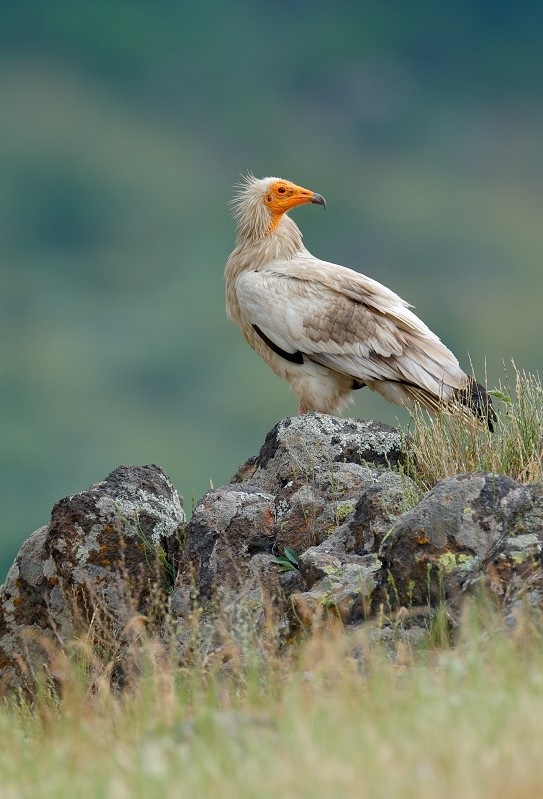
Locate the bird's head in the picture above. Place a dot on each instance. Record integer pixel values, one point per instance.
(282, 195)
(260, 203)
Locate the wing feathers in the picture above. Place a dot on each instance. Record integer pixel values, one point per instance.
(293, 357)
(349, 323)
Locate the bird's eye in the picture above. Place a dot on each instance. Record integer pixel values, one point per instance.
(281, 190)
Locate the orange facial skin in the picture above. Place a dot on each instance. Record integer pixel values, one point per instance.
(284, 195)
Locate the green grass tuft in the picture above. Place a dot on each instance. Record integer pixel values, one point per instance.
(458, 444)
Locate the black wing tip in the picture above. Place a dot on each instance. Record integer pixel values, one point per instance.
(478, 400)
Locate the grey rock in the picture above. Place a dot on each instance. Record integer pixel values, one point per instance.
(298, 447)
(368, 545)
(383, 498)
(345, 589)
(318, 563)
(104, 553)
(227, 571)
(460, 531)
(229, 526)
(300, 491)
(308, 515)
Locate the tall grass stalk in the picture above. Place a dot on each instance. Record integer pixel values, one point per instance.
(457, 443)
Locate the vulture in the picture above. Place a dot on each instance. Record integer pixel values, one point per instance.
(328, 329)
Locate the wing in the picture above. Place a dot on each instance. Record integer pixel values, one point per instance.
(347, 322)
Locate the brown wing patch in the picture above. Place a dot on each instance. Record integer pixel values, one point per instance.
(342, 322)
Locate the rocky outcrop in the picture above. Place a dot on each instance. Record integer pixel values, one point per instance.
(368, 543)
(298, 492)
(101, 558)
(323, 522)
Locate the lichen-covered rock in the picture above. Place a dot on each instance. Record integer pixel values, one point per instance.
(308, 515)
(357, 537)
(24, 607)
(316, 466)
(466, 527)
(99, 557)
(228, 527)
(345, 588)
(383, 499)
(298, 447)
(300, 492)
(514, 574)
(227, 565)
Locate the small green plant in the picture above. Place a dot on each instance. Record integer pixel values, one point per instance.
(343, 511)
(288, 562)
(329, 600)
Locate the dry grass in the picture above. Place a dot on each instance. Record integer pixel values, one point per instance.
(334, 716)
(458, 444)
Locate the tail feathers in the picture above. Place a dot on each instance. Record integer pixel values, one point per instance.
(475, 397)
(472, 399)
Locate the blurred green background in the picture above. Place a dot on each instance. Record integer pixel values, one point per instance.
(125, 124)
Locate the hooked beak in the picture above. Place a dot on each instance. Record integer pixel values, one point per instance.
(318, 199)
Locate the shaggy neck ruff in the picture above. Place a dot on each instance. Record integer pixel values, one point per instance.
(268, 238)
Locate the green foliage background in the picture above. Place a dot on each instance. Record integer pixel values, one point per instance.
(125, 124)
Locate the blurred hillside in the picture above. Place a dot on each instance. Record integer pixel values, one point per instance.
(125, 124)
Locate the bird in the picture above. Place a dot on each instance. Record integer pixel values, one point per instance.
(328, 329)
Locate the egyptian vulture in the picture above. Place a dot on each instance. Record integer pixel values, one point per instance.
(327, 329)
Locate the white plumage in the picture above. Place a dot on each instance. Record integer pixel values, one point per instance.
(325, 328)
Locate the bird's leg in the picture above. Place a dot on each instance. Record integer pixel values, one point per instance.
(302, 409)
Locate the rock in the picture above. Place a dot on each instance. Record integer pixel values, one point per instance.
(343, 573)
(316, 466)
(385, 496)
(298, 447)
(340, 584)
(229, 526)
(300, 492)
(366, 540)
(101, 559)
(367, 544)
(24, 610)
(308, 515)
(513, 573)
(227, 565)
(466, 527)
